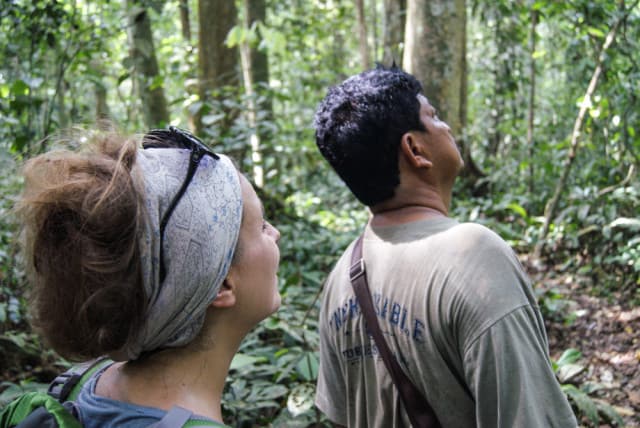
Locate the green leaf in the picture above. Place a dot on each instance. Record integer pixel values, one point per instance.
(241, 360)
(539, 53)
(123, 77)
(210, 119)
(517, 208)
(595, 32)
(307, 367)
(157, 82)
(272, 392)
(626, 223)
(5, 90)
(235, 37)
(195, 108)
(609, 412)
(568, 371)
(12, 391)
(19, 87)
(632, 131)
(583, 402)
(569, 356)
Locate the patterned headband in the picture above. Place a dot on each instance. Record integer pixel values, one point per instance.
(198, 245)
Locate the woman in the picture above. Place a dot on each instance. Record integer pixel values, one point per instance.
(156, 256)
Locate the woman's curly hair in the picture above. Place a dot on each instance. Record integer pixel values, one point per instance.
(81, 213)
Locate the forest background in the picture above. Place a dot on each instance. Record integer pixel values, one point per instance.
(542, 96)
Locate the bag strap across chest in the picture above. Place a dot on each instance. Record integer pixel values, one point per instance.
(420, 412)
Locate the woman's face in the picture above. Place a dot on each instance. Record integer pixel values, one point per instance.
(255, 268)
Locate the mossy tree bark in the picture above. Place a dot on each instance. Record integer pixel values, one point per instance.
(435, 52)
(217, 63)
(185, 20)
(148, 80)
(255, 72)
(365, 62)
(395, 12)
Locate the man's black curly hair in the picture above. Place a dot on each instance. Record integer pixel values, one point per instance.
(359, 125)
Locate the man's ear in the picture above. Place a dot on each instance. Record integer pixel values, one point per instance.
(226, 297)
(413, 150)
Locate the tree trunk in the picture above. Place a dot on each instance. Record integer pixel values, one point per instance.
(185, 22)
(217, 63)
(498, 98)
(532, 98)
(362, 32)
(63, 114)
(255, 72)
(102, 108)
(145, 64)
(393, 32)
(435, 52)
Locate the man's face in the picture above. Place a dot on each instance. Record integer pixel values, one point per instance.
(440, 141)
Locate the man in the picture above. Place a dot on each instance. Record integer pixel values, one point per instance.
(452, 300)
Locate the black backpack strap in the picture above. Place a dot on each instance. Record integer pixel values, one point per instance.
(39, 418)
(62, 386)
(175, 418)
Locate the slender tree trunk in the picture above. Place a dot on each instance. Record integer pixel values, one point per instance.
(217, 63)
(552, 205)
(61, 108)
(102, 108)
(255, 12)
(255, 72)
(374, 31)
(362, 33)
(145, 64)
(185, 21)
(495, 136)
(532, 95)
(393, 33)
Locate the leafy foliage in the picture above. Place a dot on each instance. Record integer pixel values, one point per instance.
(566, 368)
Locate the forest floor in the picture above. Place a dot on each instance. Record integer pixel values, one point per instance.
(605, 329)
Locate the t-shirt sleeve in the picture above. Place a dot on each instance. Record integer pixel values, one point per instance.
(330, 393)
(509, 373)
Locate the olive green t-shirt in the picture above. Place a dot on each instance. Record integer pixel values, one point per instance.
(458, 313)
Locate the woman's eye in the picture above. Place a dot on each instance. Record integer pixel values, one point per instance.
(264, 225)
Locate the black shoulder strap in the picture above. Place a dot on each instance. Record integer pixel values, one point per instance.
(418, 408)
(62, 386)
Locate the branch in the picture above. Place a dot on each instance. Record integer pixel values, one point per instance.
(552, 205)
(630, 174)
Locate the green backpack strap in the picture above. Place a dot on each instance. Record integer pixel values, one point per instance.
(64, 389)
(19, 409)
(32, 408)
(194, 423)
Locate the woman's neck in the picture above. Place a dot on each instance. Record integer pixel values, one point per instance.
(192, 377)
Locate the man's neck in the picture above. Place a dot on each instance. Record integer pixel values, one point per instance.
(406, 213)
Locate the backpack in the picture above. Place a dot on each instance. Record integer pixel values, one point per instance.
(56, 407)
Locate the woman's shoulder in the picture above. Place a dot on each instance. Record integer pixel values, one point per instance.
(96, 411)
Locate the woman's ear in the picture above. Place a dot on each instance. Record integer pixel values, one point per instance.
(226, 297)
(412, 148)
